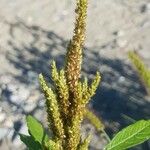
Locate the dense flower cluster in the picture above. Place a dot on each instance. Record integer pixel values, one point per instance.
(66, 102)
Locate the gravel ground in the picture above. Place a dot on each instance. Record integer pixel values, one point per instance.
(35, 32)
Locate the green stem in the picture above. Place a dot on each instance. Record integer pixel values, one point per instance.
(106, 135)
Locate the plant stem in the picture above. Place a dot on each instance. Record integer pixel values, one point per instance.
(106, 135)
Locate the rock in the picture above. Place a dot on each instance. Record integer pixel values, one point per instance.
(32, 78)
(8, 122)
(122, 42)
(24, 129)
(98, 142)
(119, 33)
(5, 79)
(32, 101)
(28, 107)
(17, 142)
(3, 132)
(29, 41)
(121, 79)
(143, 8)
(2, 116)
(16, 93)
(5, 144)
(148, 7)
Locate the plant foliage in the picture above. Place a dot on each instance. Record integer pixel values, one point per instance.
(37, 136)
(130, 136)
(142, 69)
(66, 103)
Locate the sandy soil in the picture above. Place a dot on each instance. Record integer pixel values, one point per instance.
(35, 32)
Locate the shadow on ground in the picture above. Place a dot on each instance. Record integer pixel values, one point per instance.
(121, 95)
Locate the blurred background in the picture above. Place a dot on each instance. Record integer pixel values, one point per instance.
(33, 33)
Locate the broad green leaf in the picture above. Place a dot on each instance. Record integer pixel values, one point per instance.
(35, 129)
(30, 142)
(130, 136)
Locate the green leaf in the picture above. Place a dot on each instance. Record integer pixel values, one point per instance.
(30, 142)
(130, 136)
(36, 129)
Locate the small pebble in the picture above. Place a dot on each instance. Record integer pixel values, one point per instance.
(2, 117)
(3, 132)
